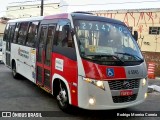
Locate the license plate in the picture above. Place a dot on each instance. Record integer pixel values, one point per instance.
(126, 92)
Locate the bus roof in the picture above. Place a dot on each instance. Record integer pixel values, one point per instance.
(93, 17)
(75, 15)
(56, 16)
(26, 19)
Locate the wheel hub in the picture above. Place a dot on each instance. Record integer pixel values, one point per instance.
(62, 97)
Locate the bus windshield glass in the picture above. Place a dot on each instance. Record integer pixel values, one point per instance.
(101, 39)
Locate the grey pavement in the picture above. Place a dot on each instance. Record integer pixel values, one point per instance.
(154, 82)
(23, 95)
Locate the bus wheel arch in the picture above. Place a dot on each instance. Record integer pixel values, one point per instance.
(61, 92)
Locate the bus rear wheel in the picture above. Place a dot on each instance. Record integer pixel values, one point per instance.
(62, 98)
(14, 70)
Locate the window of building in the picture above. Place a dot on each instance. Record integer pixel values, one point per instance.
(32, 34)
(23, 33)
(154, 30)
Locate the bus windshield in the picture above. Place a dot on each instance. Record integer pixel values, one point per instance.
(106, 41)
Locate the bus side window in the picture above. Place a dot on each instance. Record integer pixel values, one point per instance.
(32, 34)
(64, 38)
(23, 33)
(6, 32)
(12, 32)
(16, 33)
(61, 38)
(50, 37)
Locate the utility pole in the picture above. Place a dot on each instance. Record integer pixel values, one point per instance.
(42, 2)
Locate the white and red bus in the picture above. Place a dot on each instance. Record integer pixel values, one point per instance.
(84, 60)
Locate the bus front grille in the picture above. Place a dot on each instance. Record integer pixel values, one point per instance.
(119, 84)
(122, 99)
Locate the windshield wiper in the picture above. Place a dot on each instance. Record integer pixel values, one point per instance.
(107, 55)
(135, 56)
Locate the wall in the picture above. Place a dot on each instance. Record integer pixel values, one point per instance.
(140, 21)
(22, 11)
(2, 27)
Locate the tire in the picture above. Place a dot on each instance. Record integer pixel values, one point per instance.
(14, 71)
(62, 98)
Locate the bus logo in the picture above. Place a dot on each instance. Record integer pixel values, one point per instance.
(110, 72)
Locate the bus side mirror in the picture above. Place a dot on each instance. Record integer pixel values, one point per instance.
(135, 35)
(72, 31)
(70, 37)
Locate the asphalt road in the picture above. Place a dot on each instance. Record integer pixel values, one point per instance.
(22, 95)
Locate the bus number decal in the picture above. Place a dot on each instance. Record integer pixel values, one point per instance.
(59, 64)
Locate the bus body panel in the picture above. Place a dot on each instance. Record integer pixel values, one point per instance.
(104, 98)
(120, 72)
(25, 58)
(67, 68)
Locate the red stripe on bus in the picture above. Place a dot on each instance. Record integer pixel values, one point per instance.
(99, 72)
(64, 15)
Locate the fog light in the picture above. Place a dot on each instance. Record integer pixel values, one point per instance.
(144, 82)
(99, 83)
(91, 101)
(145, 95)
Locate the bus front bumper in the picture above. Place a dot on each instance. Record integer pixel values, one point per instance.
(94, 98)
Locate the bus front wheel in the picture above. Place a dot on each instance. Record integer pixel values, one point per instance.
(62, 98)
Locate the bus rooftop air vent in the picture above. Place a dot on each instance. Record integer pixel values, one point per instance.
(83, 12)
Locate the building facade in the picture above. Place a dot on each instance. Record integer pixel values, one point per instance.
(3, 22)
(32, 9)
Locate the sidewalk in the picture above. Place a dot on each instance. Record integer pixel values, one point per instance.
(154, 82)
(154, 86)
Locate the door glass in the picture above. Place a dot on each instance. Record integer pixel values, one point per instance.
(47, 78)
(41, 43)
(10, 36)
(48, 51)
(32, 34)
(23, 33)
(39, 74)
(16, 33)
(7, 40)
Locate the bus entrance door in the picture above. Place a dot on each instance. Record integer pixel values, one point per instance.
(44, 56)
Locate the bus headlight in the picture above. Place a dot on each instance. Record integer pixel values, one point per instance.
(145, 95)
(97, 83)
(144, 81)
